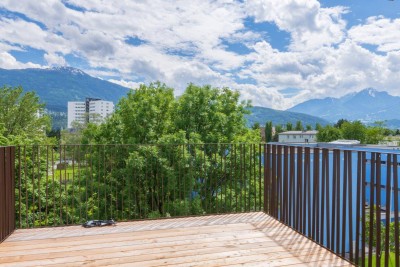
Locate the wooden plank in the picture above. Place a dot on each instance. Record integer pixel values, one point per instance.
(144, 234)
(148, 225)
(222, 240)
(150, 247)
(130, 255)
(52, 246)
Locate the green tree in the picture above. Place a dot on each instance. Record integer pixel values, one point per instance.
(299, 126)
(22, 117)
(308, 127)
(142, 117)
(354, 131)
(289, 126)
(318, 126)
(328, 134)
(373, 135)
(339, 123)
(216, 115)
(278, 129)
(187, 168)
(256, 126)
(268, 131)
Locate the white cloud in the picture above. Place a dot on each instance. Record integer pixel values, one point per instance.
(128, 84)
(29, 34)
(54, 60)
(379, 31)
(178, 42)
(310, 25)
(7, 61)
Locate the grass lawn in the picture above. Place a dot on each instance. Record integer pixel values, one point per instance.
(68, 173)
(391, 260)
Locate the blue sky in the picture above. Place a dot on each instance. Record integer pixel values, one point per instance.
(277, 53)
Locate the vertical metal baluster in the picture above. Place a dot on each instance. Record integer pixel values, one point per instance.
(324, 211)
(344, 204)
(338, 190)
(299, 187)
(225, 149)
(98, 148)
(19, 187)
(65, 186)
(350, 197)
(279, 183)
(334, 192)
(307, 185)
(363, 208)
(388, 207)
(259, 177)
(53, 185)
(285, 184)
(47, 184)
(378, 210)
(316, 193)
(266, 169)
(358, 208)
(267, 178)
(292, 191)
(396, 210)
(371, 205)
(273, 183)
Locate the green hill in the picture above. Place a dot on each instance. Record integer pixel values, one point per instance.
(262, 115)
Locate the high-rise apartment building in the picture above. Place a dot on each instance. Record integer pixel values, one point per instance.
(92, 110)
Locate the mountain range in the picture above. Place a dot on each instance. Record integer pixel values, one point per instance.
(57, 86)
(368, 106)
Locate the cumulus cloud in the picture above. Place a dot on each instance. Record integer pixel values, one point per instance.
(379, 31)
(54, 60)
(310, 25)
(178, 42)
(7, 61)
(127, 84)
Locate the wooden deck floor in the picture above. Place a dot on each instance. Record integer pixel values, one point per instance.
(251, 239)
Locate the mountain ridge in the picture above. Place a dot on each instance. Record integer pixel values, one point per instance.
(367, 105)
(279, 117)
(56, 86)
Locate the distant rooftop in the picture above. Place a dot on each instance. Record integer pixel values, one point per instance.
(345, 142)
(300, 132)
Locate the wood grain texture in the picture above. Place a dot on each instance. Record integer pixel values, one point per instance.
(246, 239)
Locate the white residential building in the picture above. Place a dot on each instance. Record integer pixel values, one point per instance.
(93, 110)
(76, 112)
(298, 137)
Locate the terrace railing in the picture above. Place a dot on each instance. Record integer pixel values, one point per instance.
(70, 184)
(345, 200)
(7, 201)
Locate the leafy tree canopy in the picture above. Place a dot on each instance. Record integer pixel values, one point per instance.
(299, 126)
(268, 131)
(354, 131)
(203, 114)
(22, 118)
(328, 134)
